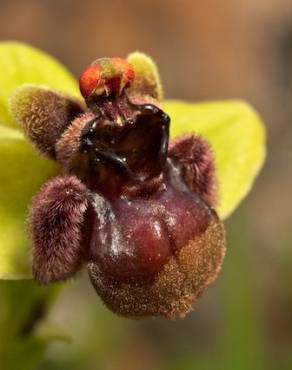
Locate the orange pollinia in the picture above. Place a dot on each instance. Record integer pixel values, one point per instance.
(106, 76)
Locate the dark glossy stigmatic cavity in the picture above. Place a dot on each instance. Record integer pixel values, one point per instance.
(117, 156)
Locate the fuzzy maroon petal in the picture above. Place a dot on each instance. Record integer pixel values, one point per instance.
(56, 219)
(43, 115)
(196, 160)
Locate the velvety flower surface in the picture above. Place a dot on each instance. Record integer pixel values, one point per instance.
(131, 204)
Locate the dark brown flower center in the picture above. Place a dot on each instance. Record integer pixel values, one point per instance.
(124, 146)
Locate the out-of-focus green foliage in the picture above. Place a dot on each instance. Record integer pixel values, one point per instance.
(23, 306)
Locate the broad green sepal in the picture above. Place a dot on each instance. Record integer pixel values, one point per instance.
(21, 63)
(22, 172)
(237, 136)
(147, 80)
(43, 114)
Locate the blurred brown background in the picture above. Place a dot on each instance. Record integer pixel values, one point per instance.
(205, 50)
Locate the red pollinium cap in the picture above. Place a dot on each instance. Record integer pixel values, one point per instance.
(106, 76)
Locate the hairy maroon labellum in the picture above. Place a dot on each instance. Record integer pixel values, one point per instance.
(135, 210)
